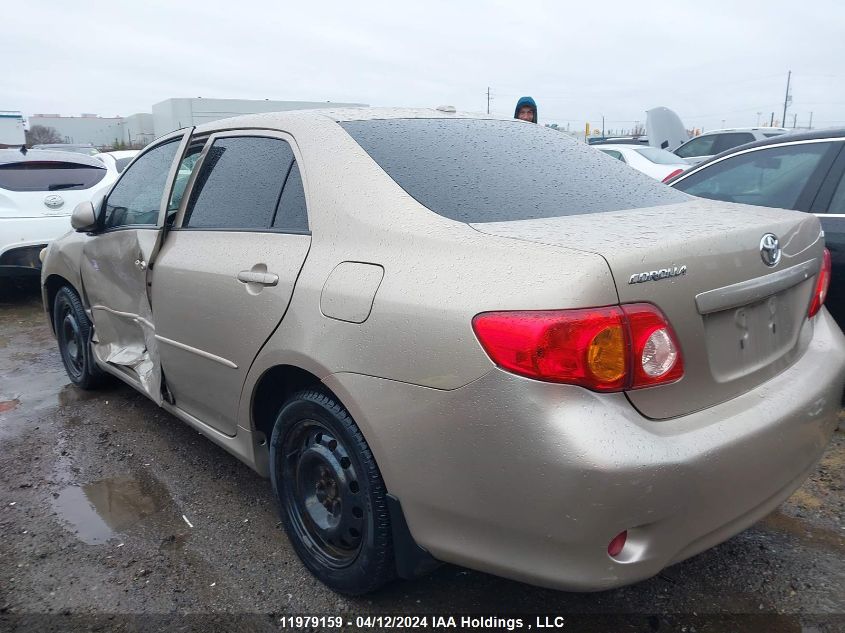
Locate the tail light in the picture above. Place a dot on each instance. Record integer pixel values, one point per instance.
(822, 284)
(604, 349)
(672, 175)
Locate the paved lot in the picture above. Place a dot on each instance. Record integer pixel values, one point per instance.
(67, 565)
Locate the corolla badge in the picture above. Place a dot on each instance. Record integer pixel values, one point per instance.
(53, 201)
(654, 275)
(770, 249)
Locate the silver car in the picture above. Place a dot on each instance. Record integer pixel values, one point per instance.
(704, 146)
(450, 337)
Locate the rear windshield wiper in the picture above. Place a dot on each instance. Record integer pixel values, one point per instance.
(65, 185)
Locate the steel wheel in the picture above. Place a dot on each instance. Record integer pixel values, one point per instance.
(323, 496)
(71, 343)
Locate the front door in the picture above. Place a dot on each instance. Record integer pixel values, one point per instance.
(116, 261)
(226, 272)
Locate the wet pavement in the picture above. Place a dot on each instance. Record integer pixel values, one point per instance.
(116, 516)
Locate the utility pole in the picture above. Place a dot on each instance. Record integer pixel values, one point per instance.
(488, 99)
(811, 121)
(772, 120)
(786, 98)
(602, 126)
(794, 120)
(758, 118)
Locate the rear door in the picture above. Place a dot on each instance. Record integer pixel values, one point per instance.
(115, 265)
(227, 270)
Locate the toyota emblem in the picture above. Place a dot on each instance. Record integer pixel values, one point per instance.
(770, 249)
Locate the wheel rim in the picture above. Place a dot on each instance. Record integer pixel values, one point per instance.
(322, 494)
(73, 350)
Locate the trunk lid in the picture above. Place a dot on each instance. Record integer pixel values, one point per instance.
(738, 321)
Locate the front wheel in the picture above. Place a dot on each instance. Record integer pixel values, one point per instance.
(73, 333)
(332, 497)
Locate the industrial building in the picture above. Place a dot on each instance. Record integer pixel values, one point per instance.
(173, 114)
(168, 115)
(11, 128)
(88, 128)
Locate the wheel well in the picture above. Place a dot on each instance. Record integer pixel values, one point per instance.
(274, 388)
(53, 284)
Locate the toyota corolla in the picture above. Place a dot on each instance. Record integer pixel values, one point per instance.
(450, 337)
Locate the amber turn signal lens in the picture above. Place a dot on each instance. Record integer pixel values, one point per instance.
(606, 354)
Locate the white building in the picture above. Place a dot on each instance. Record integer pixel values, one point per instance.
(11, 128)
(88, 128)
(173, 114)
(138, 129)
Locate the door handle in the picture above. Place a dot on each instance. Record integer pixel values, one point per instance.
(254, 277)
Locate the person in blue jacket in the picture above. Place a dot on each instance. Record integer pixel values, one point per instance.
(526, 109)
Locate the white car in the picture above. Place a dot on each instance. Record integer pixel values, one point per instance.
(652, 161)
(704, 146)
(38, 192)
(116, 162)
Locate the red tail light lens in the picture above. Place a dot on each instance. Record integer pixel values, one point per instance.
(822, 284)
(604, 349)
(672, 175)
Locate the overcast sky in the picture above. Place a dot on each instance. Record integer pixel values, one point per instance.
(711, 62)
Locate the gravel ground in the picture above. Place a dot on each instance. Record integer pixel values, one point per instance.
(116, 516)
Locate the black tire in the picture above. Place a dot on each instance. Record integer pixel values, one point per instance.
(73, 333)
(331, 495)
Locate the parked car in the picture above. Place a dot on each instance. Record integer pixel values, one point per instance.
(804, 172)
(652, 161)
(461, 338)
(38, 191)
(80, 148)
(704, 146)
(116, 161)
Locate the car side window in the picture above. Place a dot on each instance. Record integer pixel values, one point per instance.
(239, 184)
(730, 140)
(136, 198)
(292, 214)
(614, 153)
(700, 146)
(182, 176)
(837, 202)
(770, 177)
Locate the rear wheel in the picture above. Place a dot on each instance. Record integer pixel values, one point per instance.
(332, 497)
(73, 332)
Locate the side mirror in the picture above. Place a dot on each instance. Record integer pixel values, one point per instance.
(84, 217)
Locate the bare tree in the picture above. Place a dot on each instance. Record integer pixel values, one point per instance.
(41, 134)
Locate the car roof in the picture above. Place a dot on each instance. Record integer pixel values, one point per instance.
(273, 120)
(758, 128)
(781, 139)
(123, 153)
(621, 145)
(9, 156)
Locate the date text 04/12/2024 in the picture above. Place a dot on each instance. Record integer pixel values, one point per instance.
(423, 622)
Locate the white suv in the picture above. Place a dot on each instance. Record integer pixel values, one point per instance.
(702, 147)
(38, 192)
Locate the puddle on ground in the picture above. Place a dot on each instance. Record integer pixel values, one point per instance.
(806, 533)
(99, 510)
(70, 393)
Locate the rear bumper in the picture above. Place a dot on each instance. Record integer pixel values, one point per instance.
(531, 480)
(21, 239)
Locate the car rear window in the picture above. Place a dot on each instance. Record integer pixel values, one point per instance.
(49, 176)
(476, 170)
